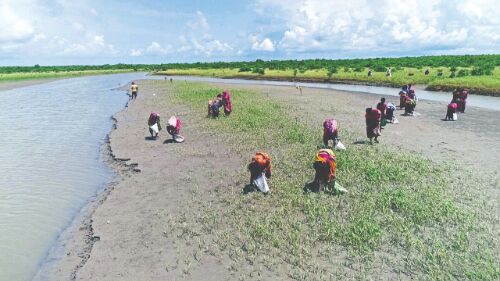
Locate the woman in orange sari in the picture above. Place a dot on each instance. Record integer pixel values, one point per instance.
(325, 165)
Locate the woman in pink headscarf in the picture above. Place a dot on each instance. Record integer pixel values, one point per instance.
(226, 102)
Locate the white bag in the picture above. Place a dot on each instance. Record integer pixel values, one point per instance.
(261, 183)
(178, 138)
(155, 128)
(395, 121)
(339, 146)
(455, 117)
(340, 188)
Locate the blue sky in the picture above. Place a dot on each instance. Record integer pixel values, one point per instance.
(53, 32)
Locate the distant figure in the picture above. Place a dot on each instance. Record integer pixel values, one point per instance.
(402, 99)
(226, 102)
(134, 89)
(389, 72)
(171, 80)
(260, 169)
(426, 72)
(464, 94)
(330, 132)
(174, 128)
(325, 165)
(369, 73)
(154, 124)
(451, 113)
(373, 119)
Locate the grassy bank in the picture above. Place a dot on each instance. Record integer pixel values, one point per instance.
(19, 76)
(399, 218)
(486, 84)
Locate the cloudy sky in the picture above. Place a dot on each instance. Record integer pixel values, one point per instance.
(52, 32)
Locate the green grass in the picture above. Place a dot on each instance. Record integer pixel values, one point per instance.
(399, 205)
(487, 84)
(19, 76)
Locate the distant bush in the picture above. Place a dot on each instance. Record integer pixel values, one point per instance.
(379, 68)
(359, 69)
(482, 70)
(347, 69)
(259, 71)
(453, 69)
(462, 73)
(245, 69)
(331, 71)
(452, 74)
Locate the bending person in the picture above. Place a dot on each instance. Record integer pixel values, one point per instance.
(154, 124)
(260, 169)
(325, 165)
(330, 132)
(373, 119)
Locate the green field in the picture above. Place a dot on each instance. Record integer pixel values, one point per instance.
(485, 84)
(402, 207)
(18, 76)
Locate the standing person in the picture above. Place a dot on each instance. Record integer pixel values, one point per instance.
(134, 89)
(325, 165)
(226, 102)
(369, 73)
(382, 106)
(330, 132)
(260, 169)
(463, 100)
(154, 124)
(373, 118)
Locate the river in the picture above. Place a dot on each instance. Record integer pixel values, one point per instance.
(51, 161)
(486, 102)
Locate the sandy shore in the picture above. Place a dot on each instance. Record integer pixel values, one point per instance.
(4, 86)
(124, 234)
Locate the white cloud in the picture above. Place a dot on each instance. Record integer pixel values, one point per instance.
(198, 39)
(93, 11)
(13, 26)
(94, 45)
(264, 45)
(135, 52)
(323, 25)
(156, 49)
(200, 22)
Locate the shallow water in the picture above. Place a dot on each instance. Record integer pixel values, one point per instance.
(50, 161)
(486, 102)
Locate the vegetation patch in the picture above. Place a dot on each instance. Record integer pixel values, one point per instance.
(398, 217)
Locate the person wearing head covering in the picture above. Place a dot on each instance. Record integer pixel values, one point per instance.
(174, 126)
(260, 169)
(451, 110)
(226, 102)
(154, 124)
(330, 132)
(389, 113)
(325, 165)
(373, 118)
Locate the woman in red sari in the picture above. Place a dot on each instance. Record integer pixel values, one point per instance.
(226, 102)
(373, 118)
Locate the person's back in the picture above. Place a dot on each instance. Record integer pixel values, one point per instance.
(134, 89)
